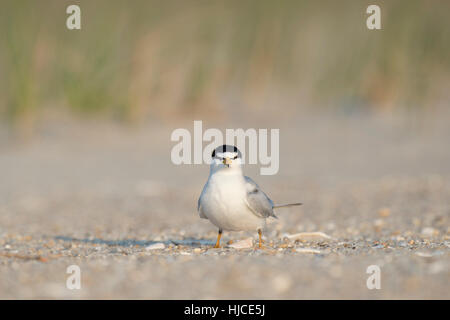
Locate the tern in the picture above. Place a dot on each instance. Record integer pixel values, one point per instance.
(232, 201)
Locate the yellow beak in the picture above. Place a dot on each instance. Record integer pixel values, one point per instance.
(227, 161)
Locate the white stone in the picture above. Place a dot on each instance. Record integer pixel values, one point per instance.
(156, 246)
(307, 236)
(424, 254)
(242, 244)
(307, 250)
(429, 232)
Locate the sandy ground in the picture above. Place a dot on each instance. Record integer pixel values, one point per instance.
(100, 196)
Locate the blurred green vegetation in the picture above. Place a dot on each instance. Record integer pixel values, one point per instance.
(137, 59)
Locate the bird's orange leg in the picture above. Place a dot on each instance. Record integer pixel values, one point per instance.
(260, 238)
(219, 235)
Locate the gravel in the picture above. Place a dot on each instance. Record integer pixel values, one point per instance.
(109, 200)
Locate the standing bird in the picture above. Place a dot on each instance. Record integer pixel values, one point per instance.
(232, 201)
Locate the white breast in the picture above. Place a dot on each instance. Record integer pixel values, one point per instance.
(223, 203)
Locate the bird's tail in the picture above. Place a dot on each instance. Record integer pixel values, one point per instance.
(287, 205)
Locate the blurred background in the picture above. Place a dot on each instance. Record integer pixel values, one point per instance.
(85, 123)
(152, 59)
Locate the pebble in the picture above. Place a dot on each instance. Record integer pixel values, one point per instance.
(307, 250)
(242, 244)
(307, 236)
(429, 254)
(429, 232)
(156, 246)
(384, 212)
(402, 244)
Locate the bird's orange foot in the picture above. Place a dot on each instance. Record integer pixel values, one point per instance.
(261, 241)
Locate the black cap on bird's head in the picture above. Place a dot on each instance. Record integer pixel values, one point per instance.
(224, 149)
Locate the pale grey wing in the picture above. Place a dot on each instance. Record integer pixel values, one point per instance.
(258, 202)
(199, 204)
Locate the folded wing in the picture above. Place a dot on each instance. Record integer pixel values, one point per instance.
(257, 201)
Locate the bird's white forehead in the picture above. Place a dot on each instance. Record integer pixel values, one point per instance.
(226, 154)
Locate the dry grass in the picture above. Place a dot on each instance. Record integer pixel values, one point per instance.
(139, 60)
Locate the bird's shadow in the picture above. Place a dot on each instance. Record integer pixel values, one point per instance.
(189, 242)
